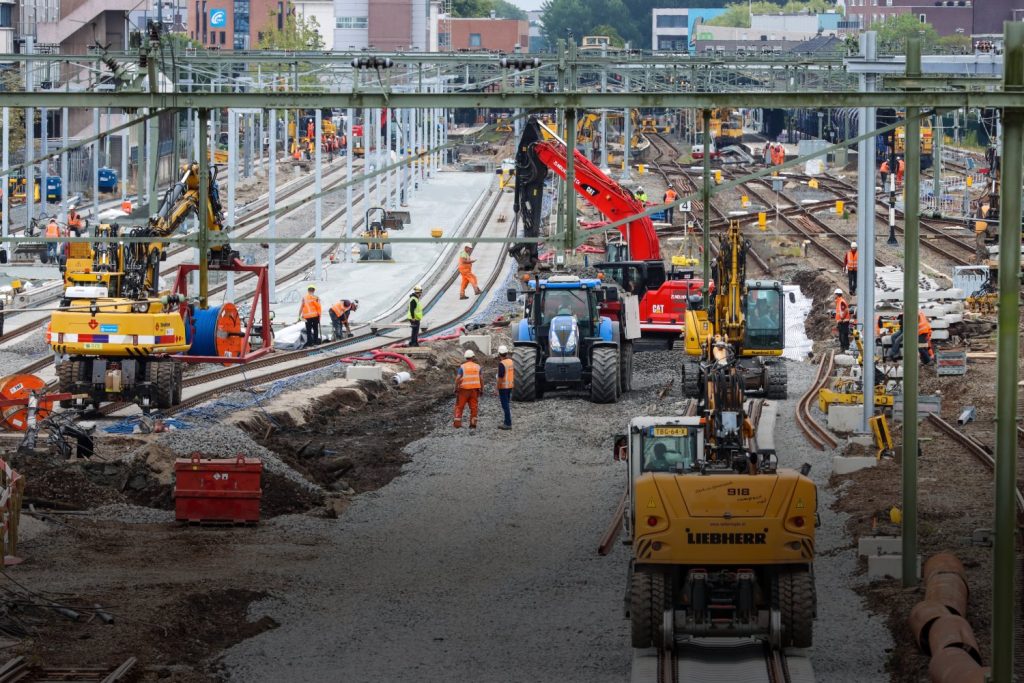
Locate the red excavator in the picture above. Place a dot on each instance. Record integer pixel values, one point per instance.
(664, 294)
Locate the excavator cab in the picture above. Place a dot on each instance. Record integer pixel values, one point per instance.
(764, 315)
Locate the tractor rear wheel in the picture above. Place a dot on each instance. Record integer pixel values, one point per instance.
(524, 364)
(691, 379)
(161, 375)
(68, 373)
(626, 367)
(776, 381)
(646, 607)
(604, 375)
(797, 604)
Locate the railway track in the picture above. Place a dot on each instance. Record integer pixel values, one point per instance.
(818, 436)
(324, 356)
(719, 660)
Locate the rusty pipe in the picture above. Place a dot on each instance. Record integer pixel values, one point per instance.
(924, 614)
(952, 631)
(950, 590)
(954, 665)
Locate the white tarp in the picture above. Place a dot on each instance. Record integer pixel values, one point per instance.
(798, 345)
(290, 338)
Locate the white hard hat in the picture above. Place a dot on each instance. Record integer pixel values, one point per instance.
(838, 292)
(468, 246)
(469, 353)
(417, 288)
(502, 349)
(853, 245)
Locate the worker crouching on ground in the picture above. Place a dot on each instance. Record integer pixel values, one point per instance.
(466, 262)
(924, 340)
(310, 312)
(506, 382)
(843, 321)
(415, 315)
(468, 385)
(850, 266)
(340, 312)
(74, 222)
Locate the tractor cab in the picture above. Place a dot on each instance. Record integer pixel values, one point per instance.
(764, 313)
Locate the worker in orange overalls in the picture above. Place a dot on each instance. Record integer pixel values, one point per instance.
(52, 230)
(901, 167)
(340, 312)
(466, 271)
(850, 266)
(310, 312)
(924, 338)
(468, 385)
(74, 221)
(126, 205)
(778, 154)
(842, 321)
(506, 382)
(883, 171)
(310, 129)
(670, 196)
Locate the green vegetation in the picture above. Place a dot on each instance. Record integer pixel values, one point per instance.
(738, 14)
(298, 33)
(893, 34)
(483, 8)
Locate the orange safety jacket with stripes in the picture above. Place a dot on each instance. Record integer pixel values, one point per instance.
(842, 310)
(851, 260)
(340, 308)
(311, 307)
(507, 379)
(469, 376)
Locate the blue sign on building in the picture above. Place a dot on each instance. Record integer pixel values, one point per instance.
(218, 18)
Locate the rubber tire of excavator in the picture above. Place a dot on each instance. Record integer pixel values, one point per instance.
(161, 374)
(646, 607)
(179, 370)
(626, 368)
(67, 373)
(777, 381)
(604, 374)
(691, 379)
(524, 364)
(797, 604)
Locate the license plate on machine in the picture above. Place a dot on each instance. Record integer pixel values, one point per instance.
(670, 431)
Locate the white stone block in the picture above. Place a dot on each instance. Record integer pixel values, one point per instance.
(888, 566)
(844, 360)
(481, 343)
(956, 307)
(862, 439)
(845, 418)
(842, 464)
(879, 545)
(370, 372)
(939, 335)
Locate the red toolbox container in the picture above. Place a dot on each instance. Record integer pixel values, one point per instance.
(217, 490)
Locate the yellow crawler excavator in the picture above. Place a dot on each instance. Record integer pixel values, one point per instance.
(114, 332)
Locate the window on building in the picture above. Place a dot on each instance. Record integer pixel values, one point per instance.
(351, 22)
(5, 16)
(672, 21)
(923, 17)
(223, 37)
(474, 40)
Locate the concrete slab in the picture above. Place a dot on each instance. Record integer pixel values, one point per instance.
(370, 372)
(862, 440)
(845, 465)
(879, 545)
(845, 418)
(888, 566)
(481, 343)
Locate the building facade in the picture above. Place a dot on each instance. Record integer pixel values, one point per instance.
(384, 25)
(495, 35)
(949, 17)
(233, 24)
(672, 28)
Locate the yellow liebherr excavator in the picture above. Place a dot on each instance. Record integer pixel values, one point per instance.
(114, 332)
(749, 315)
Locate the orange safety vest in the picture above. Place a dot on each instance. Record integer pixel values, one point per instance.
(470, 376)
(311, 306)
(126, 206)
(884, 168)
(465, 267)
(508, 381)
(74, 220)
(340, 308)
(923, 326)
(842, 310)
(851, 260)
(52, 229)
(670, 196)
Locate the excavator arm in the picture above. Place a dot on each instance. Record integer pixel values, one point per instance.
(731, 276)
(536, 156)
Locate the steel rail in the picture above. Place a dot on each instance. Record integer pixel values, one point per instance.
(818, 436)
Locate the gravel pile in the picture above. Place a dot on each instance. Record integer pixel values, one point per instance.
(132, 514)
(224, 441)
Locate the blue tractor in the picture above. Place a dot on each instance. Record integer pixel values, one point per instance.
(566, 340)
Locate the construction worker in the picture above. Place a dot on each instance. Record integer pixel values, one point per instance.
(466, 271)
(415, 315)
(883, 171)
(468, 385)
(74, 221)
(924, 338)
(843, 321)
(766, 155)
(670, 196)
(778, 154)
(310, 312)
(126, 205)
(850, 266)
(506, 381)
(641, 195)
(339, 313)
(980, 246)
(52, 230)
(901, 168)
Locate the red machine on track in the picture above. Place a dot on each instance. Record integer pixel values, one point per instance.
(664, 294)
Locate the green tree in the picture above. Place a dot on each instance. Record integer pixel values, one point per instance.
(10, 81)
(483, 8)
(893, 34)
(738, 14)
(958, 44)
(298, 33)
(611, 32)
